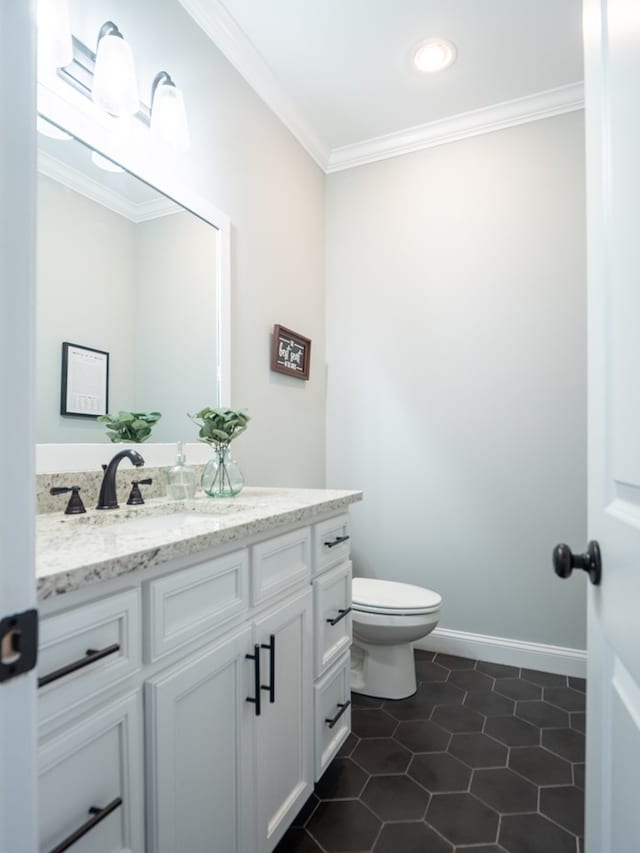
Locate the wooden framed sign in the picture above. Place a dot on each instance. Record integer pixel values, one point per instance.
(290, 353)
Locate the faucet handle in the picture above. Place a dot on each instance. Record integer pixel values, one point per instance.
(135, 495)
(75, 505)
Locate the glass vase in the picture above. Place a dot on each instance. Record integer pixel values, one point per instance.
(222, 477)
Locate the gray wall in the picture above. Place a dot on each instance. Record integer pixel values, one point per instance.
(247, 163)
(456, 373)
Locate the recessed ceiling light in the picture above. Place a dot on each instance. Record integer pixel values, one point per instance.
(435, 54)
(103, 163)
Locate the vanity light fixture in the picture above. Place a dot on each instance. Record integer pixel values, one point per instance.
(168, 114)
(54, 33)
(435, 54)
(104, 163)
(115, 87)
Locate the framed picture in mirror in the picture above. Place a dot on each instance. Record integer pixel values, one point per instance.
(84, 389)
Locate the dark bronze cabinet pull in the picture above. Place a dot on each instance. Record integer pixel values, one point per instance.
(91, 656)
(255, 657)
(331, 721)
(341, 615)
(271, 686)
(98, 816)
(336, 541)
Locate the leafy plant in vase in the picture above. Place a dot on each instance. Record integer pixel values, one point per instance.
(221, 478)
(130, 427)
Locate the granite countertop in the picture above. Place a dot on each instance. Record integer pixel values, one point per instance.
(73, 551)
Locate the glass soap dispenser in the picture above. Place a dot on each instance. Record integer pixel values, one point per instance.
(181, 479)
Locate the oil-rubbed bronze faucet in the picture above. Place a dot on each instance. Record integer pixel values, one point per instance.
(108, 498)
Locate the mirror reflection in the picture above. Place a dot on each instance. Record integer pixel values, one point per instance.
(123, 269)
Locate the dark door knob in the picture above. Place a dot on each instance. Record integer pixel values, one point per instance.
(564, 562)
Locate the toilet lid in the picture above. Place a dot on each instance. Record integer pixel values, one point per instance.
(376, 596)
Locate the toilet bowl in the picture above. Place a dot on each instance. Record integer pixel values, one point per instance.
(387, 617)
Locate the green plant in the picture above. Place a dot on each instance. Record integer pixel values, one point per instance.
(220, 426)
(130, 427)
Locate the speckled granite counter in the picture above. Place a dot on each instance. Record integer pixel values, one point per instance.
(73, 551)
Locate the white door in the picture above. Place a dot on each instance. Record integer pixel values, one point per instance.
(612, 71)
(199, 725)
(18, 822)
(284, 729)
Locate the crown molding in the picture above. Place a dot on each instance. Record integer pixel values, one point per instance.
(76, 180)
(232, 41)
(541, 105)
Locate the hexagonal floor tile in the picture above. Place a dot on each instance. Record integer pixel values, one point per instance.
(478, 750)
(490, 704)
(457, 718)
(505, 791)
(540, 766)
(410, 838)
(427, 670)
(365, 723)
(441, 694)
(422, 654)
(564, 806)
(544, 679)
(381, 755)
(454, 662)
(342, 780)
(297, 841)
(498, 670)
(348, 746)
(578, 776)
(567, 743)
(422, 736)
(578, 721)
(416, 707)
(542, 714)
(343, 825)
(462, 818)
(565, 697)
(395, 798)
(577, 684)
(439, 772)
(305, 812)
(516, 688)
(358, 700)
(512, 731)
(532, 833)
(471, 679)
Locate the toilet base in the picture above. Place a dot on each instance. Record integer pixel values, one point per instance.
(384, 672)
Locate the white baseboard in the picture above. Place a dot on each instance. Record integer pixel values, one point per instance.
(503, 650)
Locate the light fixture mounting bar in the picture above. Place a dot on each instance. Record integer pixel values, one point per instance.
(79, 74)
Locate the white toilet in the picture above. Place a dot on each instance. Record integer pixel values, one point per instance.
(387, 617)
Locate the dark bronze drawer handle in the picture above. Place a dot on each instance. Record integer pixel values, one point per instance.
(341, 615)
(98, 816)
(336, 541)
(91, 657)
(271, 686)
(331, 721)
(255, 657)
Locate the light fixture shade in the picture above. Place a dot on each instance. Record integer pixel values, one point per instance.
(169, 116)
(55, 49)
(115, 87)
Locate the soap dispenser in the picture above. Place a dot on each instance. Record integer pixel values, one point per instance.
(181, 479)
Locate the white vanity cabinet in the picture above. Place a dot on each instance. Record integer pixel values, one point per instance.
(227, 697)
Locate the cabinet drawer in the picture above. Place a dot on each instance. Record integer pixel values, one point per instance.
(188, 604)
(331, 543)
(332, 629)
(279, 563)
(92, 766)
(110, 628)
(332, 700)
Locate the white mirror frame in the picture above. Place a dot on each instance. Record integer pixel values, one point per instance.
(66, 108)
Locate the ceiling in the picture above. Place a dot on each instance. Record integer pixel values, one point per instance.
(340, 72)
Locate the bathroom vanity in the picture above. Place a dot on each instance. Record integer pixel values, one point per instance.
(194, 662)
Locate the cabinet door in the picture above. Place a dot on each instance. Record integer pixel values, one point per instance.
(284, 729)
(199, 728)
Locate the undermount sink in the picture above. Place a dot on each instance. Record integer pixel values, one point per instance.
(160, 523)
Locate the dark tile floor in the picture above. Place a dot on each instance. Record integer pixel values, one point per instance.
(483, 758)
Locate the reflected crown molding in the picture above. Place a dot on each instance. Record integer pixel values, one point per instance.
(81, 183)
